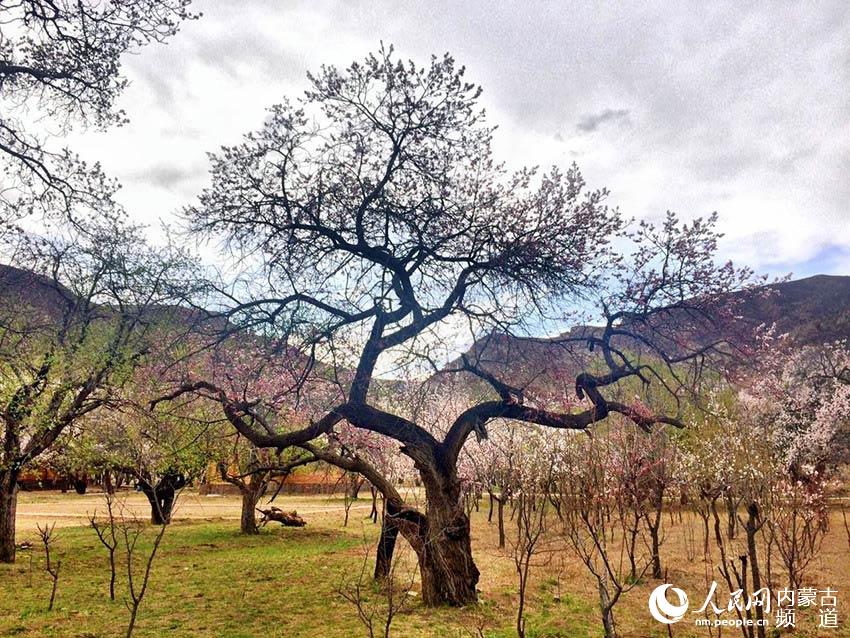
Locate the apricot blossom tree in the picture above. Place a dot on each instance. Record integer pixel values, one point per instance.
(373, 221)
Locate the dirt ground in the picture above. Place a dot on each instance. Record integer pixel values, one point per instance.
(287, 572)
(71, 509)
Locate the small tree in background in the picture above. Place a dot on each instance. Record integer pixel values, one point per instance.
(798, 524)
(252, 471)
(107, 535)
(495, 465)
(163, 450)
(585, 496)
(532, 486)
(75, 322)
(51, 567)
(645, 468)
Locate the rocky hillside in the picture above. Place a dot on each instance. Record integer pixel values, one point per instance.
(811, 311)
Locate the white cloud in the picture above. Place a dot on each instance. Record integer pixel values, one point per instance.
(743, 110)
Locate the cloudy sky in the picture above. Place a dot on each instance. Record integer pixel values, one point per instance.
(742, 108)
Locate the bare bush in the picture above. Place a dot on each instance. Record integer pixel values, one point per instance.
(379, 602)
(131, 531)
(797, 527)
(107, 535)
(529, 545)
(52, 568)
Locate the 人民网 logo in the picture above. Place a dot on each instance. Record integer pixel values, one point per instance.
(662, 609)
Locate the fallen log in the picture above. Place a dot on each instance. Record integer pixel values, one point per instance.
(287, 519)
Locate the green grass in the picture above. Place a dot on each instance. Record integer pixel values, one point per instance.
(208, 580)
(211, 581)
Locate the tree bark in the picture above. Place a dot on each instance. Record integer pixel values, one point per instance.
(607, 608)
(440, 537)
(732, 517)
(656, 552)
(160, 506)
(752, 527)
(386, 547)
(166, 504)
(8, 505)
(250, 498)
(161, 496)
(81, 484)
(108, 485)
(449, 574)
(356, 484)
(500, 507)
(150, 492)
(706, 533)
(373, 514)
(630, 539)
(448, 571)
(654, 519)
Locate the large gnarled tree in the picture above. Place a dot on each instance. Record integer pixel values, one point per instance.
(374, 221)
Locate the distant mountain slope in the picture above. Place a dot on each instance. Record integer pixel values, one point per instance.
(23, 289)
(811, 311)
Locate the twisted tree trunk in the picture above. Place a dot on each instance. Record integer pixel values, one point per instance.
(449, 574)
(162, 495)
(447, 568)
(251, 493)
(440, 537)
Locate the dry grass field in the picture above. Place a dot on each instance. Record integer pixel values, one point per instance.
(210, 581)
